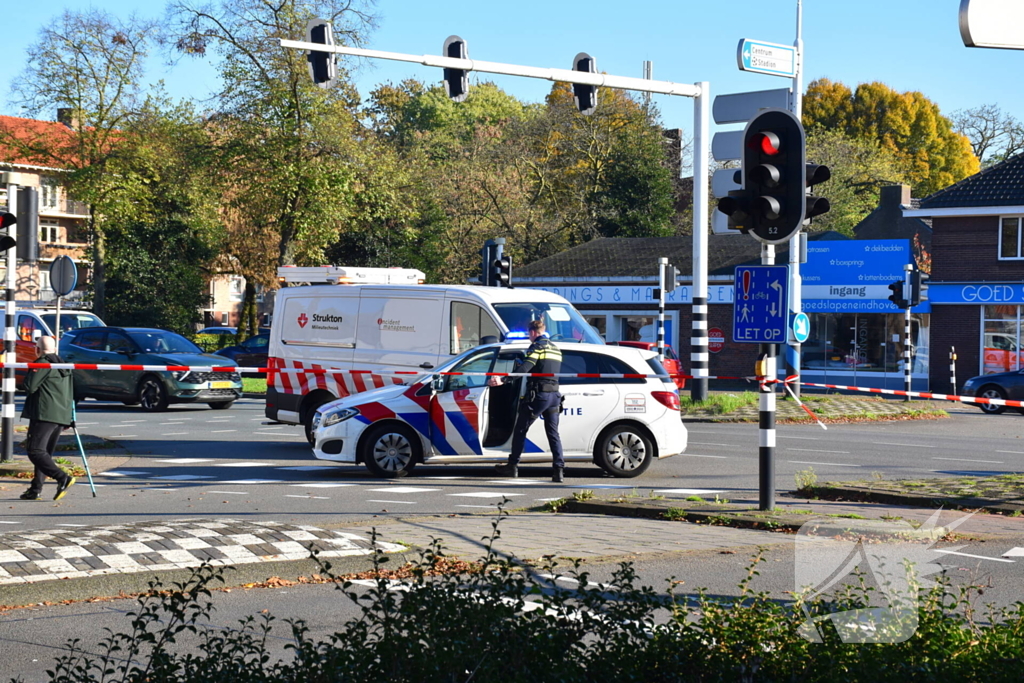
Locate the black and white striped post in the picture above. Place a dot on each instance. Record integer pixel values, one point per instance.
(662, 267)
(10, 347)
(907, 268)
(952, 367)
(766, 410)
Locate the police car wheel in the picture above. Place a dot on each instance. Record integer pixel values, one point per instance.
(624, 451)
(992, 392)
(390, 450)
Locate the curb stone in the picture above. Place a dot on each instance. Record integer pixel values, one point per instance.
(734, 516)
(868, 494)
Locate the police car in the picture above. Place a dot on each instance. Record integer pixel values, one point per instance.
(622, 424)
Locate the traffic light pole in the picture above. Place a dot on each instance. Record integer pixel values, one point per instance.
(766, 411)
(907, 268)
(701, 92)
(10, 346)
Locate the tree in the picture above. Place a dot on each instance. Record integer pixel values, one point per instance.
(88, 64)
(994, 136)
(860, 168)
(906, 124)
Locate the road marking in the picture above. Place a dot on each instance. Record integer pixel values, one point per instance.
(693, 492)
(575, 582)
(175, 433)
(231, 493)
(815, 450)
(121, 473)
(486, 494)
(290, 495)
(185, 477)
(978, 557)
(601, 486)
(187, 460)
(695, 455)
(128, 436)
(253, 481)
(174, 422)
(545, 500)
(801, 438)
(1014, 552)
(402, 489)
(444, 477)
(700, 443)
(398, 502)
(222, 431)
(86, 424)
(306, 468)
(514, 482)
(484, 507)
(824, 464)
(321, 486)
(4, 521)
(993, 462)
(1012, 452)
(241, 464)
(73, 525)
(904, 445)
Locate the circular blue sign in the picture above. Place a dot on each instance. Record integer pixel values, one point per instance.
(801, 327)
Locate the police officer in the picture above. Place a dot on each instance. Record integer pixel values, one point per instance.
(542, 398)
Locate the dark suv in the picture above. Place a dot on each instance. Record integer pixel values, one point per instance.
(153, 390)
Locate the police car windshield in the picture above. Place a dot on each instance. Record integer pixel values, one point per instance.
(563, 323)
(163, 342)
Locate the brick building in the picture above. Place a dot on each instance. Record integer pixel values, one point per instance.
(977, 270)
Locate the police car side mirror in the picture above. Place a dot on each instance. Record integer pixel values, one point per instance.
(437, 383)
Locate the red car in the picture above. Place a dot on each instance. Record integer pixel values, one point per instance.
(671, 362)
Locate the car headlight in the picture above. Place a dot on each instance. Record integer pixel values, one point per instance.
(335, 416)
(970, 383)
(180, 376)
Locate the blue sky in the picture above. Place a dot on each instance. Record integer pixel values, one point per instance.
(907, 44)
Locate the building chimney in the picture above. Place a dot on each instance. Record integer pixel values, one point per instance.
(893, 196)
(66, 115)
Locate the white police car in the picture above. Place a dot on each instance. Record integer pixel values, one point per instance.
(621, 424)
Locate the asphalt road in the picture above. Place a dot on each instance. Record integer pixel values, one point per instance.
(192, 461)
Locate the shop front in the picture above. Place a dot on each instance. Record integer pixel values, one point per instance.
(996, 332)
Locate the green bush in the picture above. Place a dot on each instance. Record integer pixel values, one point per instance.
(476, 624)
(213, 342)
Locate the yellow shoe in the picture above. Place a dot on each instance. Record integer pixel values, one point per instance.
(63, 487)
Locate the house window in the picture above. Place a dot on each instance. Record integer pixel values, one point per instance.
(236, 288)
(49, 230)
(44, 282)
(48, 195)
(1010, 238)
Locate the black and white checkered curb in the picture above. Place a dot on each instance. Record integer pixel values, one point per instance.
(29, 557)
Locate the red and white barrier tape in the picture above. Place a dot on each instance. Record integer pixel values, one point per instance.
(923, 394)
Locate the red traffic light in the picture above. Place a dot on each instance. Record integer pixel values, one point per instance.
(766, 142)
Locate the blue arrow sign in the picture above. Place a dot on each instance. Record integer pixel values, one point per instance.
(761, 305)
(801, 327)
(766, 58)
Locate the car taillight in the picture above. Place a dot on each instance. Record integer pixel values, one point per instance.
(669, 399)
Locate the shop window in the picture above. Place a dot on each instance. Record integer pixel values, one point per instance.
(1010, 238)
(638, 328)
(599, 323)
(863, 342)
(1001, 339)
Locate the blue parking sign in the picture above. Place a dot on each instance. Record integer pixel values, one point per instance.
(761, 305)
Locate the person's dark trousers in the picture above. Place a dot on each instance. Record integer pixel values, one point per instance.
(42, 441)
(548, 404)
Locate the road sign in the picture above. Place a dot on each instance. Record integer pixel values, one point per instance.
(63, 275)
(801, 327)
(740, 107)
(727, 146)
(761, 305)
(766, 58)
(716, 340)
(992, 23)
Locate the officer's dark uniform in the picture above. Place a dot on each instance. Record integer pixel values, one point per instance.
(542, 398)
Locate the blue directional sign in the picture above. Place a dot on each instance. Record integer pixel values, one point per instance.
(801, 327)
(761, 305)
(766, 58)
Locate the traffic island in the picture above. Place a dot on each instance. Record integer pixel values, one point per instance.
(742, 406)
(1001, 494)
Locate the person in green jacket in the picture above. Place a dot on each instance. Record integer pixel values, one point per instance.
(48, 408)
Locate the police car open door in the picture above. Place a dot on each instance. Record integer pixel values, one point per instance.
(459, 406)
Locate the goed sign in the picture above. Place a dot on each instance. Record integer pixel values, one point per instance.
(716, 340)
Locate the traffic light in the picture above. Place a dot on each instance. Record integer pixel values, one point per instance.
(897, 294)
(322, 66)
(489, 253)
(915, 287)
(28, 224)
(816, 173)
(503, 271)
(585, 95)
(773, 201)
(6, 221)
(456, 81)
(671, 276)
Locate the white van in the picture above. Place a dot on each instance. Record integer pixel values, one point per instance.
(371, 332)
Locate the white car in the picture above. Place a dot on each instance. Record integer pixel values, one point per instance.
(621, 424)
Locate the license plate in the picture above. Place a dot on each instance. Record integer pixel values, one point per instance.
(221, 385)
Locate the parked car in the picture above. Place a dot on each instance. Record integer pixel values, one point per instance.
(219, 330)
(151, 390)
(620, 424)
(250, 353)
(1003, 385)
(671, 362)
(35, 322)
